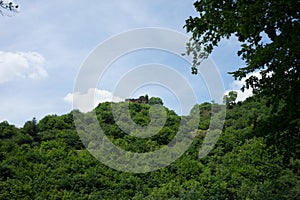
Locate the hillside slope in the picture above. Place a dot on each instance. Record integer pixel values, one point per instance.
(47, 159)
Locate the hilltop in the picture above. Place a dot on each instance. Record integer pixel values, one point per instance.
(46, 159)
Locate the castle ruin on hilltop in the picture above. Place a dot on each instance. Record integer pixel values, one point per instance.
(141, 99)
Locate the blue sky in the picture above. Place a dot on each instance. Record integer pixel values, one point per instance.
(44, 45)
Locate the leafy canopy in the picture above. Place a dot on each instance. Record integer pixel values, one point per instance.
(277, 57)
(269, 33)
(230, 98)
(46, 159)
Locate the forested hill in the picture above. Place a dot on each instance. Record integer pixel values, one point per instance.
(253, 158)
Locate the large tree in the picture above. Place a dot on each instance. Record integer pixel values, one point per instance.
(269, 33)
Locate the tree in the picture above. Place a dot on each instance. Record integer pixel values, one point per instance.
(8, 6)
(30, 128)
(155, 100)
(230, 98)
(276, 58)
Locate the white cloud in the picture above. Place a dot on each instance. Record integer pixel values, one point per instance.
(88, 101)
(16, 65)
(238, 84)
(65, 39)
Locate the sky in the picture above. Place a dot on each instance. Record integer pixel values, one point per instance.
(44, 46)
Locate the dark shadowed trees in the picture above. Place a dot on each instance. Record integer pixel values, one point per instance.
(269, 34)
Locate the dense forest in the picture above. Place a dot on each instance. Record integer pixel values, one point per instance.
(46, 159)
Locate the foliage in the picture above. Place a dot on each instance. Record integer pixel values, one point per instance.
(230, 98)
(256, 156)
(269, 34)
(155, 100)
(57, 166)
